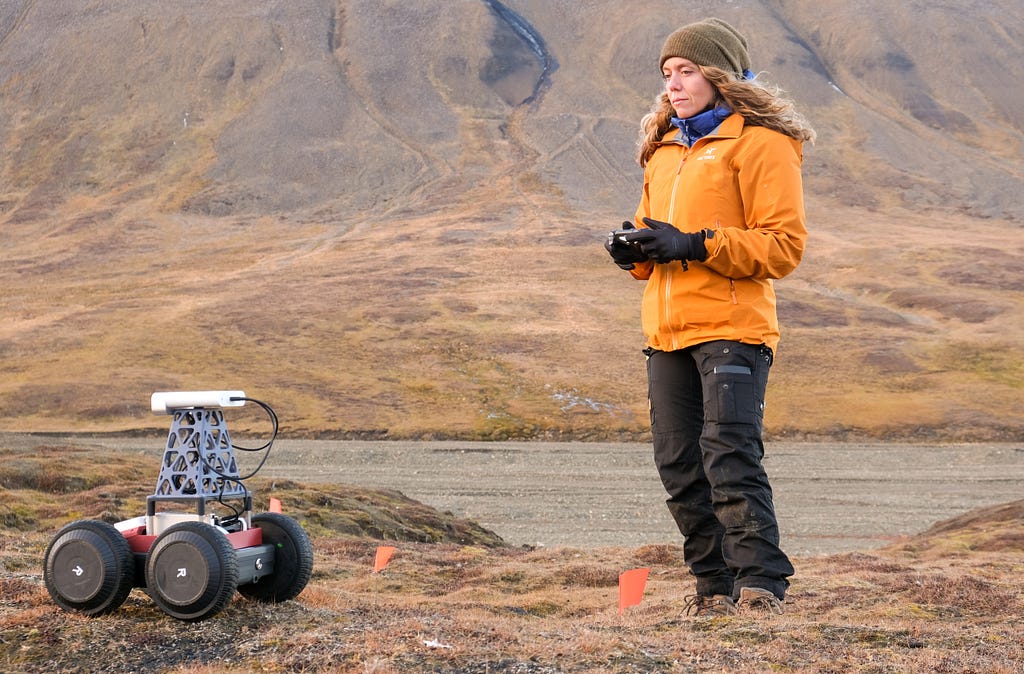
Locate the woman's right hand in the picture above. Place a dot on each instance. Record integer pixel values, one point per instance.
(624, 253)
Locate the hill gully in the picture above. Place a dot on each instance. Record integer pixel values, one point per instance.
(505, 50)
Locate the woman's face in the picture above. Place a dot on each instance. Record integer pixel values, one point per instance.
(687, 88)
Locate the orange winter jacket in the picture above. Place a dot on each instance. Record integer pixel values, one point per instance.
(743, 184)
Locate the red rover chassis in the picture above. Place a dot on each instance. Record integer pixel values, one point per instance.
(190, 563)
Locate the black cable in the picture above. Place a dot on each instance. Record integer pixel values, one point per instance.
(236, 513)
(224, 478)
(273, 420)
(265, 446)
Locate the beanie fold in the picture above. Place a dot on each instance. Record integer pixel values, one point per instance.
(711, 42)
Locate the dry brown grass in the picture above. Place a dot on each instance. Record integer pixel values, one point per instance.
(948, 600)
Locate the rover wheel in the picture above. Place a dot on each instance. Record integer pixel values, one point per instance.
(293, 559)
(191, 571)
(89, 568)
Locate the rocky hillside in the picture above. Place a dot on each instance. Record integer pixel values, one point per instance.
(385, 218)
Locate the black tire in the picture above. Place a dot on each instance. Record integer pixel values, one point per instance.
(89, 568)
(191, 571)
(293, 559)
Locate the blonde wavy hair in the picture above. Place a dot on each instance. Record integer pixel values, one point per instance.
(759, 104)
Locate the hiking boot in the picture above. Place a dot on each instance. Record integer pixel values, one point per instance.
(704, 606)
(757, 600)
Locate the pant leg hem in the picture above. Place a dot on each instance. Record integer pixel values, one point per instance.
(773, 585)
(709, 587)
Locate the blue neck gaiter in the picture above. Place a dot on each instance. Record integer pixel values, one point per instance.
(696, 127)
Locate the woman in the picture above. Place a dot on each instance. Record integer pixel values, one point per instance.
(721, 215)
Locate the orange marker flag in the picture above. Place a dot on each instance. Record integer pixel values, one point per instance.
(275, 505)
(631, 587)
(382, 557)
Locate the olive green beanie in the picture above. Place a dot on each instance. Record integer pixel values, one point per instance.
(711, 42)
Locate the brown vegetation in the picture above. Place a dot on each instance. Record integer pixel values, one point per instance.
(456, 599)
(387, 222)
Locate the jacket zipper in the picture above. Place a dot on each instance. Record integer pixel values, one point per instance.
(667, 297)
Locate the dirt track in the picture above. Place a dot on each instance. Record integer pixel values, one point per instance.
(829, 497)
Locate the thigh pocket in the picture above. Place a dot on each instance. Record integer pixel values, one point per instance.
(736, 395)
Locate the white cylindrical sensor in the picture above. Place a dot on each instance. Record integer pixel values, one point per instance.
(166, 402)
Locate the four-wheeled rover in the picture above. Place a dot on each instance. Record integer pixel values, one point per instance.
(189, 561)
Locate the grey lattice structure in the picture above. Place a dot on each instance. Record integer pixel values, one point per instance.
(199, 462)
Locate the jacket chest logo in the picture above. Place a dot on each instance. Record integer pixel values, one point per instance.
(709, 154)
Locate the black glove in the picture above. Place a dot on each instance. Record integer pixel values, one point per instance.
(664, 243)
(623, 253)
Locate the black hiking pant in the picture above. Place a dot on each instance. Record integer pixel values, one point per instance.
(707, 410)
